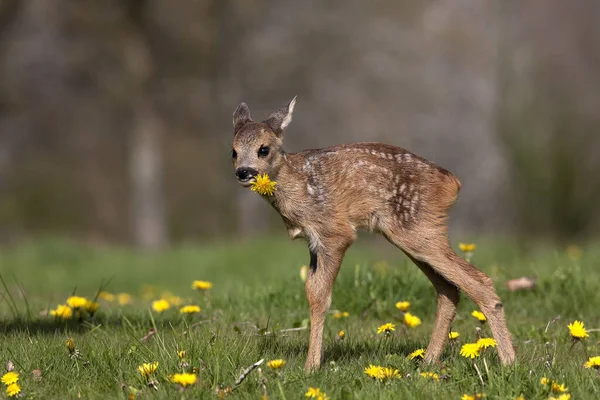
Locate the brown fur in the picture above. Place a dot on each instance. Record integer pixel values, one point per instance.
(326, 195)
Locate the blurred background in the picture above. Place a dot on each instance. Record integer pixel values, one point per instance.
(115, 115)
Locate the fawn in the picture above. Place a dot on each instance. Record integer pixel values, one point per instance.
(325, 195)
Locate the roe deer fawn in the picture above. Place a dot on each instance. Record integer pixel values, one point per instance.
(325, 195)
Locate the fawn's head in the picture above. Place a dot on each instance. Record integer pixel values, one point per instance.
(258, 146)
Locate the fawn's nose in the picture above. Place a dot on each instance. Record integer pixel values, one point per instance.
(245, 173)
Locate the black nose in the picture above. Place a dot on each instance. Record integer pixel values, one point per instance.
(245, 173)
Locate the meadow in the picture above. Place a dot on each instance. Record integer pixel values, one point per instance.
(256, 309)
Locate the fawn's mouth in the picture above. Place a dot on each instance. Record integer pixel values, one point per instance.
(246, 181)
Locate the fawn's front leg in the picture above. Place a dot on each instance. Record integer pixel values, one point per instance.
(324, 266)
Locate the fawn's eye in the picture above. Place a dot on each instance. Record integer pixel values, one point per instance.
(233, 154)
(263, 151)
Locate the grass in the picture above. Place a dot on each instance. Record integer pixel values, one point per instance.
(257, 295)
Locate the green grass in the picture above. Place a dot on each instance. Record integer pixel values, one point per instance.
(257, 287)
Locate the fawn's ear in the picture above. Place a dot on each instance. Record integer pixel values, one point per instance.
(241, 116)
(281, 118)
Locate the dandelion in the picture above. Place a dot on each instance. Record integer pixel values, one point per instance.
(202, 285)
(189, 309)
(558, 388)
(467, 247)
(303, 272)
(124, 298)
(475, 396)
(419, 353)
(386, 328)
(577, 330)
(373, 371)
(62, 311)
(316, 393)
(341, 314)
(184, 379)
(520, 397)
(147, 369)
(545, 381)
(181, 354)
(453, 335)
(411, 320)
(593, 362)
(479, 315)
(389, 373)
(106, 296)
(70, 343)
(403, 305)
(91, 307)
(13, 390)
(276, 364)
(470, 350)
(484, 343)
(160, 305)
(76, 302)
(341, 334)
(564, 396)
(431, 375)
(263, 185)
(10, 378)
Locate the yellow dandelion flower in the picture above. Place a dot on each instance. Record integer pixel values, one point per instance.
(389, 373)
(558, 388)
(431, 375)
(184, 379)
(181, 354)
(189, 309)
(411, 320)
(124, 298)
(70, 343)
(403, 305)
(303, 272)
(341, 334)
(13, 390)
(484, 343)
(470, 350)
(341, 314)
(545, 381)
(62, 311)
(202, 285)
(276, 364)
(316, 393)
(76, 302)
(577, 330)
(419, 353)
(160, 305)
(479, 315)
(10, 377)
(263, 185)
(467, 247)
(91, 307)
(147, 369)
(453, 335)
(386, 328)
(593, 362)
(564, 396)
(373, 371)
(476, 396)
(106, 296)
(520, 397)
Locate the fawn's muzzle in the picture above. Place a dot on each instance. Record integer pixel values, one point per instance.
(244, 174)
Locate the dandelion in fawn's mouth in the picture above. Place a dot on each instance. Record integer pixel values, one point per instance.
(202, 285)
(403, 305)
(184, 379)
(10, 378)
(484, 343)
(263, 185)
(419, 353)
(76, 302)
(470, 350)
(341, 314)
(148, 369)
(412, 321)
(593, 362)
(386, 328)
(453, 335)
(276, 364)
(577, 330)
(479, 315)
(431, 375)
(191, 309)
(62, 311)
(160, 305)
(13, 390)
